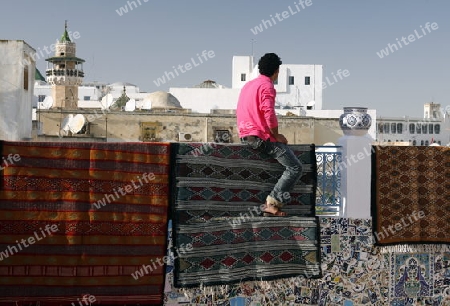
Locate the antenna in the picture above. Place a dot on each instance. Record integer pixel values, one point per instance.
(253, 41)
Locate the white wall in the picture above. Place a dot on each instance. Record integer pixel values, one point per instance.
(15, 101)
(297, 94)
(202, 100)
(300, 94)
(241, 64)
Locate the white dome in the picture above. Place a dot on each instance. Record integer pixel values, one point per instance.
(162, 99)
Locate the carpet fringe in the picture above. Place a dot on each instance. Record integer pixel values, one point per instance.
(414, 248)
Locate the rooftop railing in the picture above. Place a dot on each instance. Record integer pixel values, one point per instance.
(328, 193)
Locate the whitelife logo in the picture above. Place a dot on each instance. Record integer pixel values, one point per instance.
(187, 66)
(146, 269)
(11, 249)
(404, 222)
(9, 161)
(391, 48)
(130, 4)
(265, 24)
(123, 191)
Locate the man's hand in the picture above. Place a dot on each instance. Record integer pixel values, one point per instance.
(278, 137)
(281, 138)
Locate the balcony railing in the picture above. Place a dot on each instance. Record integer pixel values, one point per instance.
(65, 72)
(328, 194)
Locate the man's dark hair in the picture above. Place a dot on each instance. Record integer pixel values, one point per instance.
(268, 64)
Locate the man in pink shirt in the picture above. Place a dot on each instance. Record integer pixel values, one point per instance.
(258, 127)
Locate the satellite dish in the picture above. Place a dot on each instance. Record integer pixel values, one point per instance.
(66, 122)
(77, 123)
(130, 106)
(107, 101)
(147, 104)
(47, 103)
(65, 125)
(311, 103)
(434, 144)
(328, 144)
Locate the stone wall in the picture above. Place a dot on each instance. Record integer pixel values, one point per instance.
(174, 126)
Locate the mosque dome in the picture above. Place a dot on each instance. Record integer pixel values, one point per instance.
(162, 99)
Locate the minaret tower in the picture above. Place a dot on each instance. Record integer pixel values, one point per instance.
(65, 73)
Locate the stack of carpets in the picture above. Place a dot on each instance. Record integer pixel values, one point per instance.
(219, 237)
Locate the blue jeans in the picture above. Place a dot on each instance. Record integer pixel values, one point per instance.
(286, 157)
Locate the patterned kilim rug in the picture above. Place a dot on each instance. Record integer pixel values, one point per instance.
(411, 195)
(79, 220)
(219, 189)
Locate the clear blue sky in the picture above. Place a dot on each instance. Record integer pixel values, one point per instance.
(141, 45)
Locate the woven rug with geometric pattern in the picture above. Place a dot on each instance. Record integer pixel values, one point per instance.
(77, 219)
(219, 189)
(411, 194)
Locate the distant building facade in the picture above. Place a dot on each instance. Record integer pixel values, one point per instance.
(434, 127)
(298, 86)
(18, 68)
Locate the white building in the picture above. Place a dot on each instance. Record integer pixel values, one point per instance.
(90, 95)
(434, 127)
(17, 66)
(298, 86)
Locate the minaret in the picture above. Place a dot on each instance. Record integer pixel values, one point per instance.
(65, 73)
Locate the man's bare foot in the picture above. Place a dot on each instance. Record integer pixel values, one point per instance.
(271, 210)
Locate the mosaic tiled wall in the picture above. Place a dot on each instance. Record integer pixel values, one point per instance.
(354, 273)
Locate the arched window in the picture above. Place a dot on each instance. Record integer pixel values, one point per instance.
(412, 128)
(380, 127)
(437, 128)
(393, 128)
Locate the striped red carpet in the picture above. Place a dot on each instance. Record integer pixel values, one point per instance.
(77, 220)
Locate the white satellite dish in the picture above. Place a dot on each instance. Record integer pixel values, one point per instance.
(47, 103)
(77, 123)
(65, 125)
(147, 104)
(311, 103)
(107, 101)
(130, 106)
(435, 144)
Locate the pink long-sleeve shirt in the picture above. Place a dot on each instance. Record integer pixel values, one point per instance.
(256, 109)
